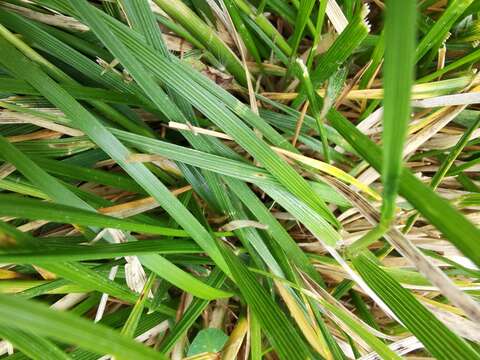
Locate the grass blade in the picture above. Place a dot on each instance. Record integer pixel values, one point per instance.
(436, 337)
(32, 317)
(398, 78)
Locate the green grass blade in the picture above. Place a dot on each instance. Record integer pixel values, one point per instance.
(75, 272)
(64, 252)
(37, 318)
(181, 279)
(303, 15)
(195, 309)
(437, 338)
(133, 319)
(91, 147)
(265, 25)
(32, 345)
(454, 225)
(437, 33)
(143, 21)
(190, 21)
(279, 330)
(230, 124)
(398, 79)
(90, 125)
(343, 47)
(39, 210)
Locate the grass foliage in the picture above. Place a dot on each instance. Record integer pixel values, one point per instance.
(234, 179)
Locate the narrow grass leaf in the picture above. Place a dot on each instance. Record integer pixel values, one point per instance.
(33, 317)
(437, 338)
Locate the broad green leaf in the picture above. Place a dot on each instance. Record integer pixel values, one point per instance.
(77, 91)
(209, 340)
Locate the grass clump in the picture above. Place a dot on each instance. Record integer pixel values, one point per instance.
(232, 179)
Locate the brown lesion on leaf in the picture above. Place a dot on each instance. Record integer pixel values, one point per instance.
(7, 240)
